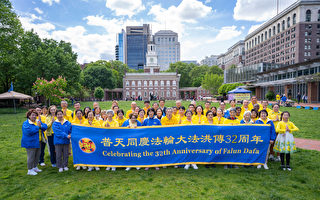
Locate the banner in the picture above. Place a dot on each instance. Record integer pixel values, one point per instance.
(170, 145)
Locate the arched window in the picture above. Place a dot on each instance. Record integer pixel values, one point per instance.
(150, 83)
(269, 33)
(294, 18)
(278, 28)
(145, 83)
(274, 30)
(258, 39)
(139, 83)
(155, 83)
(174, 83)
(168, 93)
(283, 25)
(308, 15)
(265, 35)
(168, 83)
(288, 22)
(318, 15)
(133, 83)
(255, 41)
(162, 83)
(262, 37)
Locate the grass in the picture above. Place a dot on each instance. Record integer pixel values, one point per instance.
(170, 183)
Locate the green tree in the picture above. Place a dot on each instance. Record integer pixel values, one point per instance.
(214, 69)
(183, 69)
(212, 82)
(197, 73)
(10, 32)
(98, 93)
(98, 76)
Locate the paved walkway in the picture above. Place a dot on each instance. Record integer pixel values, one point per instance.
(308, 144)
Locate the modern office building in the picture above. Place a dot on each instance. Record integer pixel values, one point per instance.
(234, 56)
(190, 62)
(137, 38)
(120, 49)
(168, 48)
(290, 37)
(210, 60)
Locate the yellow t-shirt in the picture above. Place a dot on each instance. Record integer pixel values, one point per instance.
(205, 111)
(128, 113)
(77, 121)
(239, 117)
(186, 122)
(278, 97)
(273, 115)
(250, 106)
(120, 121)
(165, 121)
(68, 115)
(140, 119)
(196, 119)
(217, 121)
(230, 121)
(49, 121)
(95, 123)
(180, 119)
(243, 110)
(112, 124)
(281, 127)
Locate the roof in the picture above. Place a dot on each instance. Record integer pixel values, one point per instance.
(14, 95)
(239, 90)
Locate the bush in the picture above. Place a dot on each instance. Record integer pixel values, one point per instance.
(270, 95)
(99, 93)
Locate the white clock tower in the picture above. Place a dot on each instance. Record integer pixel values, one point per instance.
(152, 60)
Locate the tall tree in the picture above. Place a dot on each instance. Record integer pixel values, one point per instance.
(98, 76)
(10, 31)
(212, 82)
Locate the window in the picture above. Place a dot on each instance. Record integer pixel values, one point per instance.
(139, 83)
(127, 83)
(174, 93)
(168, 83)
(288, 22)
(283, 25)
(145, 83)
(168, 93)
(294, 18)
(274, 30)
(308, 15)
(133, 93)
(265, 35)
(318, 15)
(127, 94)
(139, 93)
(269, 33)
(278, 28)
(155, 83)
(145, 94)
(162, 83)
(174, 83)
(133, 83)
(150, 83)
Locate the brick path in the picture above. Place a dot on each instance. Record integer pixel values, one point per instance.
(307, 144)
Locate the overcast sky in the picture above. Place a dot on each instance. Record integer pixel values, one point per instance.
(205, 27)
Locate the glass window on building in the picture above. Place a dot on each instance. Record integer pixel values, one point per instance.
(174, 93)
(318, 15)
(145, 83)
(155, 83)
(308, 15)
(274, 30)
(283, 25)
(168, 83)
(278, 28)
(168, 93)
(162, 83)
(150, 83)
(133, 83)
(174, 83)
(288, 22)
(139, 83)
(133, 94)
(294, 18)
(145, 93)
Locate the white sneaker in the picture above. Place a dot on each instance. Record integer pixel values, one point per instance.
(271, 157)
(259, 166)
(176, 166)
(225, 167)
(31, 172)
(265, 166)
(236, 167)
(113, 169)
(78, 168)
(108, 168)
(277, 159)
(42, 164)
(84, 167)
(36, 169)
(194, 166)
(90, 169)
(186, 167)
(164, 166)
(66, 169)
(157, 168)
(97, 168)
(60, 169)
(138, 168)
(147, 168)
(128, 169)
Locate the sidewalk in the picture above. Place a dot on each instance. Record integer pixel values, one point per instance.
(307, 144)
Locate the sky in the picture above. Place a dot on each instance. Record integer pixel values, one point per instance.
(204, 27)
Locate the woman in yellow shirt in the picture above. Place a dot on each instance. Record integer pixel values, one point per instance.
(219, 119)
(104, 117)
(110, 122)
(188, 119)
(199, 118)
(254, 115)
(79, 119)
(92, 121)
(51, 117)
(121, 117)
(141, 115)
(180, 115)
(115, 111)
(274, 115)
(209, 116)
(285, 143)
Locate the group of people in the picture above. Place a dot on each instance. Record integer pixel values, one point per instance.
(52, 126)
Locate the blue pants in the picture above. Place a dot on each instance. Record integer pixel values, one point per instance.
(52, 150)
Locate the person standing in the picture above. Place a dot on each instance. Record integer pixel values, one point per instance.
(31, 131)
(62, 134)
(299, 97)
(43, 137)
(51, 117)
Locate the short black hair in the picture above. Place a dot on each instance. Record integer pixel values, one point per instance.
(151, 109)
(209, 113)
(182, 107)
(147, 101)
(261, 111)
(77, 102)
(162, 100)
(120, 111)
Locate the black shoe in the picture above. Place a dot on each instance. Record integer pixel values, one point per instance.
(213, 166)
(288, 168)
(207, 166)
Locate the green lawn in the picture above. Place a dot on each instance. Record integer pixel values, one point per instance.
(244, 183)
